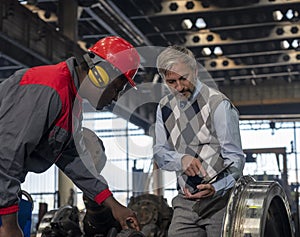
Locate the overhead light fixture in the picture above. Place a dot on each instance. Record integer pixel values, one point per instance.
(290, 14)
(284, 44)
(30, 2)
(218, 51)
(277, 15)
(187, 24)
(200, 23)
(295, 43)
(206, 51)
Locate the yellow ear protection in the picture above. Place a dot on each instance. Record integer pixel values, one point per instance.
(97, 74)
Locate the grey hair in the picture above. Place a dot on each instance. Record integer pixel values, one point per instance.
(172, 55)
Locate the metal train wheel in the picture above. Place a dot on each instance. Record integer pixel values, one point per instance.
(258, 209)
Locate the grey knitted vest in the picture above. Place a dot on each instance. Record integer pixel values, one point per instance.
(190, 129)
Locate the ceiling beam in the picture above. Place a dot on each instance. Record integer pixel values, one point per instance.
(267, 93)
(32, 41)
(182, 7)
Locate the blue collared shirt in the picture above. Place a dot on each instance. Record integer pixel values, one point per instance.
(226, 122)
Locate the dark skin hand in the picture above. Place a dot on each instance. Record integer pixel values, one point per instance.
(122, 214)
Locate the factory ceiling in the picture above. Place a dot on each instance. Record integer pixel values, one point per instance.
(250, 48)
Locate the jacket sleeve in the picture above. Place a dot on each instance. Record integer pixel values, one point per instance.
(77, 163)
(24, 120)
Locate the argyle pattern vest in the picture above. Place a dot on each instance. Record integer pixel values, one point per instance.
(190, 129)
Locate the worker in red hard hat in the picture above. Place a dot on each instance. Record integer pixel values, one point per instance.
(39, 123)
(110, 61)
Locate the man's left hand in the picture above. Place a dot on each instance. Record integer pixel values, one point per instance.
(204, 191)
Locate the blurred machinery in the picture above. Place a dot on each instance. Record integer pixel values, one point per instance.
(281, 159)
(95, 221)
(154, 214)
(65, 222)
(255, 208)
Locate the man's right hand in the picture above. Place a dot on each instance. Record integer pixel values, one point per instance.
(10, 227)
(122, 214)
(192, 166)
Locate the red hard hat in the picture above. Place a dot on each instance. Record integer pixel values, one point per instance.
(120, 54)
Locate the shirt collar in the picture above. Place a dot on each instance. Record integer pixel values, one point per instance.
(198, 85)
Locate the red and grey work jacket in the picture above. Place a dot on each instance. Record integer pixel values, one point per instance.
(38, 124)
